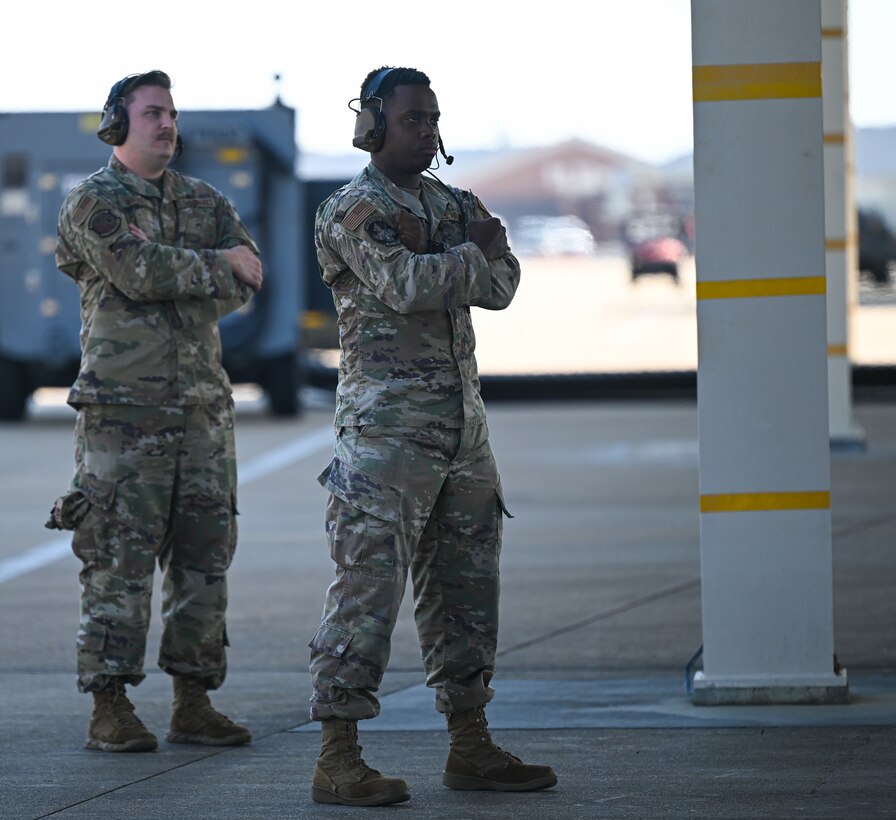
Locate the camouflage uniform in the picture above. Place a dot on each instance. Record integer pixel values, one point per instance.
(155, 468)
(413, 483)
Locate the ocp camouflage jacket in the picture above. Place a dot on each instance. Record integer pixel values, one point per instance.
(149, 310)
(406, 337)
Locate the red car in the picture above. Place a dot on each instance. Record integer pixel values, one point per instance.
(661, 254)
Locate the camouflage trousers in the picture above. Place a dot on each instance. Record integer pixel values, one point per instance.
(152, 484)
(421, 500)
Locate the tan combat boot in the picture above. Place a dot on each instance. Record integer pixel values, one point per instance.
(475, 762)
(114, 727)
(193, 719)
(341, 775)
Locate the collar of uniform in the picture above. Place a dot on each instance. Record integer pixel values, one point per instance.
(396, 194)
(437, 196)
(134, 182)
(381, 179)
(433, 190)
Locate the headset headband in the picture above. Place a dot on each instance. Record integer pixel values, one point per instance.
(120, 89)
(373, 87)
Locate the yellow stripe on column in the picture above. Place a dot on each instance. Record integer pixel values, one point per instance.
(751, 288)
(832, 31)
(759, 502)
(756, 81)
(834, 138)
(837, 350)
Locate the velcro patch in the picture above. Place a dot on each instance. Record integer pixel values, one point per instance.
(382, 232)
(357, 214)
(104, 223)
(83, 209)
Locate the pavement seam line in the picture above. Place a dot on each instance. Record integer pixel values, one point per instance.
(617, 610)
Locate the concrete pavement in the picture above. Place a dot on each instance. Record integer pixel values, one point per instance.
(600, 614)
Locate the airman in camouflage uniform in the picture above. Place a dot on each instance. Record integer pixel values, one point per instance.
(158, 258)
(414, 487)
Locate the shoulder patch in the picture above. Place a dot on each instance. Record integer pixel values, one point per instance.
(82, 210)
(381, 231)
(356, 215)
(104, 223)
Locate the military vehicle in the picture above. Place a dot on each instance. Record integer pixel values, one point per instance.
(249, 155)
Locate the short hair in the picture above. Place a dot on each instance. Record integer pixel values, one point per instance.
(123, 90)
(157, 78)
(396, 76)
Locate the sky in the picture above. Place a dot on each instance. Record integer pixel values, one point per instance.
(616, 73)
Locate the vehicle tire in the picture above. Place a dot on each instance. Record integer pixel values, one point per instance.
(13, 390)
(281, 383)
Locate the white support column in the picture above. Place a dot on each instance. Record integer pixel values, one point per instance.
(765, 523)
(840, 224)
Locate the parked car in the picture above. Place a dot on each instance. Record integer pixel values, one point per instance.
(552, 236)
(662, 254)
(655, 244)
(877, 246)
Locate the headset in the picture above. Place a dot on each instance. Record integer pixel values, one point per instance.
(370, 122)
(113, 128)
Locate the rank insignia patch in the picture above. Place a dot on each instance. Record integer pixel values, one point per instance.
(382, 232)
(104, 223)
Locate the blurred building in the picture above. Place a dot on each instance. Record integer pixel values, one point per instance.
(606, 189)
(595, 186)
(602, 188)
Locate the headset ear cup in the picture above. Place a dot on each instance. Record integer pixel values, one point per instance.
(366, 123)
(114, 125)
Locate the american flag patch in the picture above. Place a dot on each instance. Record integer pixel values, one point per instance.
(357, 214)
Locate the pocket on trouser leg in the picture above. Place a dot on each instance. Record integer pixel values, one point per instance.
(470, 536)
(88, 511)
(345, 658)
(204, 534)
(364, 521)
(328, 646)
(104, 653)
(343, 682)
